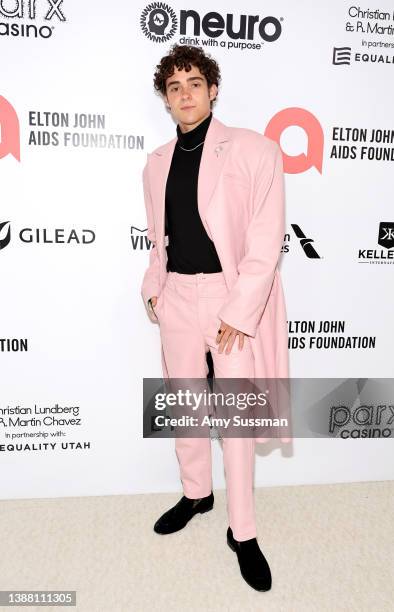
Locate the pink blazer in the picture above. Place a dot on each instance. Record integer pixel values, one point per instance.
(241, 202)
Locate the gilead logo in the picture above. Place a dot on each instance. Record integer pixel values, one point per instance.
(5, 234)
(9, 130)
(37, 235)
(295, 164)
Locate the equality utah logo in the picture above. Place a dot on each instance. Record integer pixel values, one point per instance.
(25, 20)
(9, 129)
(159, 23)
(341, 56)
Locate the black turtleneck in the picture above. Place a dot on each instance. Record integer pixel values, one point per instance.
(189, 250)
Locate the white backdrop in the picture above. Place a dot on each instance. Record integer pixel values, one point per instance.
(73, 248)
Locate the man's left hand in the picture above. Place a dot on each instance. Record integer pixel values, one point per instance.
(227, 336)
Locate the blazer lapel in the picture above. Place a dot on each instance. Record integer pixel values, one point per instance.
(216, 146)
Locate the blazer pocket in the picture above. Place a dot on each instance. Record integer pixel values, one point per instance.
(237, 179)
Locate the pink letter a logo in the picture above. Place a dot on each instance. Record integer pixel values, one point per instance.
(9, 126)
(295, 164)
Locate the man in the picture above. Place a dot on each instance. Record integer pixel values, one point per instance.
(214, 199)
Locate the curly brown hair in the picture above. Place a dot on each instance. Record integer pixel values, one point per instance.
(184, 57)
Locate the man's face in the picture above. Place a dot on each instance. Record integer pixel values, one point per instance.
(188, 96)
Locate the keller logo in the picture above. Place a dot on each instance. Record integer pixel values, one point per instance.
(386, 234)
(385, 240)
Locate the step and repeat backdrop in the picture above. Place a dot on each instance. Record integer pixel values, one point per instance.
(78, 115)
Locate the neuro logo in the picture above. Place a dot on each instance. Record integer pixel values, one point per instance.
(341, 56)
(5, 234)
(305, 242)
(386, 234)
(313, 157)
(9, 130)
(158, 22)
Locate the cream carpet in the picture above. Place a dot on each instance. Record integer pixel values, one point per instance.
(330, 548)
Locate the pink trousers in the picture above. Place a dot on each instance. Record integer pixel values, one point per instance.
(186, 310)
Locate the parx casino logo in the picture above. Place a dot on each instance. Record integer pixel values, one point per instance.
(21, 17)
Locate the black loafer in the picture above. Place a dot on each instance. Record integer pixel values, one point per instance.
(177, 517)
(252, 563)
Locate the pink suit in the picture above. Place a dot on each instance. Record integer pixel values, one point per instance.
(241, 204)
